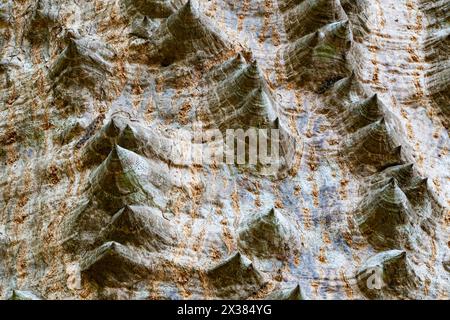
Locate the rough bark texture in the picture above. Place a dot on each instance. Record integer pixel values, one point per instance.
(97, 200)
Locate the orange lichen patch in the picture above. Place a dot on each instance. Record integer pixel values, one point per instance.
(418, 86)
(235, 201)
(198, 245)
(279, 204)
(420, 160)
(326, 237)
(35, 55)
(426, 288)
(12, 155)
(312, 164)
(413, 57)
(296, 258)
(136, 88)
(53, 174)
(280, 77)
(47, 124)
(241, 16)
(297, 190)
(228, 239)
(446, 218)
(40, 83)
(307, 220)
(204, 280)
(19, 217)
(262, 292)
(184, 111)
(344, 182)
(373, 48)
(212, 9)
(13, 96)
(187, 230)
(322, 258)
(437, 184)
(433, 252)
(9, 138)
(267, 10)
(86, 291)
(315, 284)
(182, 280)
(278, 276)
(121, 72)
(348, 238)
(159, 84)
(275, 37)
(197, 192)
(21, 264)
(315, 194)
(404, 113)
(343, 188)
(215, 254)
(332, 142)
(375, 77)
(409, 131)
(23, 199)
(258, 201)
(296, 166)
(347, 287)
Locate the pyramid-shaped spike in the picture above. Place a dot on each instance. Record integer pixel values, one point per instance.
(265, 234)
(416, 190)
(72, 130)
(242, 100)
(319, 56)
(235, 263)
(381, 214)
(364, 113)
(372, 145)
(403, 173)
(388, 272)
(348, 89)
(236, 88)
(112, 264)
(377, 135)
(137, 140)
(140, 225)
(226, 69)
(141, 28)
(250, 78)
(276, 123)
(338, 34)
(235, 278)
(288, 293)
(185, 32)
(128, 140)
(300, 54)
(100, 145)
(311, 15)
(258, 111)
(87, 58)
(120, 180)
